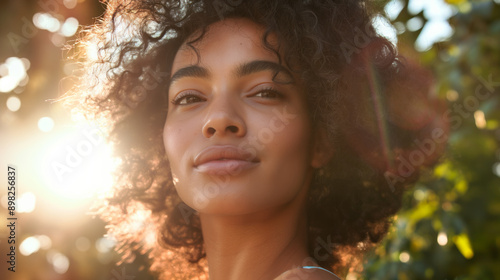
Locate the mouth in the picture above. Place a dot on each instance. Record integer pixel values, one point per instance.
(224, 160)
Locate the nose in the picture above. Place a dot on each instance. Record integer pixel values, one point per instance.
(223, 119)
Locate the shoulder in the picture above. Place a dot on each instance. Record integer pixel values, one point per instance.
(309, 273)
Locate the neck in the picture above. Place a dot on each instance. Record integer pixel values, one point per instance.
(255, 246)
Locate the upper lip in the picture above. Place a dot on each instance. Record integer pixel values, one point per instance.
(223, 152)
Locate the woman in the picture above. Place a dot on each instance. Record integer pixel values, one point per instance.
(258, 139)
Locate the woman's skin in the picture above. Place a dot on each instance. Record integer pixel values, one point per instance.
(242, 152)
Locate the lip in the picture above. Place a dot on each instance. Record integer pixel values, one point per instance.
(224, 160)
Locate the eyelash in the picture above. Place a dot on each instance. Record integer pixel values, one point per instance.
(181, 96)
(178, 99)
(271, 90)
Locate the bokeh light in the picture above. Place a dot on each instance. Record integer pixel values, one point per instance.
(419, 194)
(70, 4)
(46, 124)
(496, 169)
(404, 257)
(46, 21)
(29, 246)
(69, 27)
(393, 8)
(13, 72)
(104, 244)
(452, 95)
(400, 27)
(45, 242)
(442, 239)
(480, 119)
(351, 276)
(13, 103)
(58, 40)
(26, 202)
(414, 24)
(82, 244)
(59, 261)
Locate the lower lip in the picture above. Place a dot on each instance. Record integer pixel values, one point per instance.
(225, 167)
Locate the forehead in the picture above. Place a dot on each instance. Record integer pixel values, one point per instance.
(226, 41)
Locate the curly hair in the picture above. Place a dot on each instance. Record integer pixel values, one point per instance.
(372, 105)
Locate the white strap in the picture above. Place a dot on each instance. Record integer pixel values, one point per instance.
(305, 267)
(318, 267)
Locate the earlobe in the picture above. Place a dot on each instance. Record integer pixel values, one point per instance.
(322, 149)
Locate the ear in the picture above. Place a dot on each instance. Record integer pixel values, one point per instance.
(322, 149)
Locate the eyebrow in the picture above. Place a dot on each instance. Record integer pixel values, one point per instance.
(242, 70)
(262, 65)
(190, 71)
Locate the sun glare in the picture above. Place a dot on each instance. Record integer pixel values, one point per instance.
(78, 165)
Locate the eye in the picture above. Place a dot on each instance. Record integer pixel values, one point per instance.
(269, 93)
(186, 98)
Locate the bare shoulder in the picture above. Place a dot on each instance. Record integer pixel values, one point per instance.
(308, 274)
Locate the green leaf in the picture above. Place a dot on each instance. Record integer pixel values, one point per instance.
(463, 244)
(461, 186)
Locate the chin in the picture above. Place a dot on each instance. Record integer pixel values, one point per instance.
(224, 203)
(229, 201)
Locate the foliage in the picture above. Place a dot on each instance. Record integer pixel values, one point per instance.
(449, 227)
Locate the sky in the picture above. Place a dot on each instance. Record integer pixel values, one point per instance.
(437, 12)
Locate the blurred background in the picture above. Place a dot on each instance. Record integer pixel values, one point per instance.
(449, 227)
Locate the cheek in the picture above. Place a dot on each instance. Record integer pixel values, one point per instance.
(288, 159)
(177, 150)
(169, 142)
(292, 143)
(175, 146)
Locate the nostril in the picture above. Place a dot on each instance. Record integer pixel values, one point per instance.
(233, 128)
(211, 131)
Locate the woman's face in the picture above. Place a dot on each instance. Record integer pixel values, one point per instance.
(237, 141)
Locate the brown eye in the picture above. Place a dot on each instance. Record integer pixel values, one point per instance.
(187, 98)
(269, 93)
